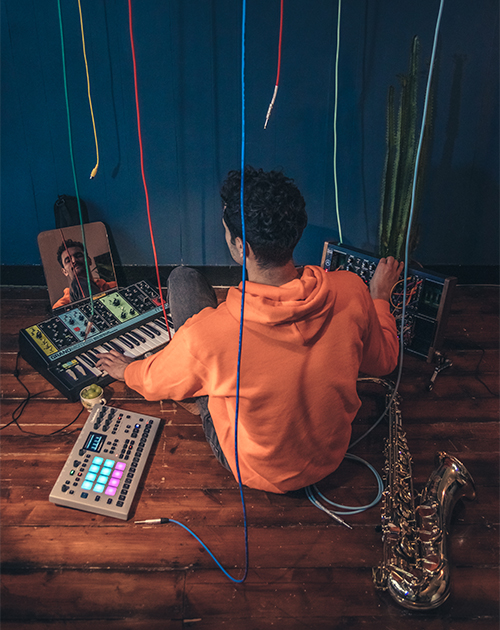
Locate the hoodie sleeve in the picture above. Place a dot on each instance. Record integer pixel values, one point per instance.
(170, 373)
(380, 345)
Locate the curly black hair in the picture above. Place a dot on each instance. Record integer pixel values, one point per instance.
(64, 246)
(275, 214)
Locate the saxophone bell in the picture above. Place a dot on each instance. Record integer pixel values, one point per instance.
(415, 568)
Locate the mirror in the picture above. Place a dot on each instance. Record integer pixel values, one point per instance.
(63, 262)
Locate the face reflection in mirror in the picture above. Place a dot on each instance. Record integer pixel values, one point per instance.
(63, 258)
(73, 262)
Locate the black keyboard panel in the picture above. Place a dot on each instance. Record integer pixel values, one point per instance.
(428, 297)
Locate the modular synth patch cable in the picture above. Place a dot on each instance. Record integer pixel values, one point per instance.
(428, 297)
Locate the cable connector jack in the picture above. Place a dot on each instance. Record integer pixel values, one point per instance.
(88, 328)
(443, 363)
(153, 521)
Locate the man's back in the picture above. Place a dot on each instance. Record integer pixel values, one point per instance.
(303, 345)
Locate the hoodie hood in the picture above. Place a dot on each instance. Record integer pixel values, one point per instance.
(294, 312)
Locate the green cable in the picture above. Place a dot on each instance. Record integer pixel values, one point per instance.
(73, 162)
(335, 125)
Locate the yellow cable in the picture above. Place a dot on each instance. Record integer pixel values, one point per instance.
(94, 170)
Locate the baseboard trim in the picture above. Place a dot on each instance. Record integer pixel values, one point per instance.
(33, 276)
(223, 275)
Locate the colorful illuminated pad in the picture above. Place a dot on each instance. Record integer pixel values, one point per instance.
(104, 468)
(100, 476)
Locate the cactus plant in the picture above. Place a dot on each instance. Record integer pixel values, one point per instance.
(401, 148)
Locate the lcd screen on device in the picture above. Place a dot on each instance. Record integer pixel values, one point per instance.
(94, 442)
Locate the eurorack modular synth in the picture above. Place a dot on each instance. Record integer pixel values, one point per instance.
(129, 320)
(428, 297)
(105, 466)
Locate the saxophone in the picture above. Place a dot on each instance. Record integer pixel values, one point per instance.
(415, 569)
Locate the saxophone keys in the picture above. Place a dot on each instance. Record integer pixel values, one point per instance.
(429, 530)
(430, 535)
(427, 511)
(431, 563)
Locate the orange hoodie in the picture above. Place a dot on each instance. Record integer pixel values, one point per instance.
(304, 344)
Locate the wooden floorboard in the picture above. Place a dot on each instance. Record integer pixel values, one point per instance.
(65, 569)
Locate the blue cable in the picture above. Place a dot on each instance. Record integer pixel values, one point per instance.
(243, 286)
(346, 508)
(171, 520)
(410, 221)
(311, 489)
(238, 367)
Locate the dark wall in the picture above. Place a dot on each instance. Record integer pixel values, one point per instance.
(188, 56)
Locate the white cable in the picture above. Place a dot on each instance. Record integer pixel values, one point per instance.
(407, 247)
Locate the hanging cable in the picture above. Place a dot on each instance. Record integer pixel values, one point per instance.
(146, 193)
(160, 521)
(71, 153)
(410, 221)
(243, 286)
(407, 242)
(94, 170)
(71, 261)
(271, 104)
(335, 182)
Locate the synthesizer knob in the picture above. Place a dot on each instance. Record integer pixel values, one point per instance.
(116, 302)
(132, 312)
(80, 318)
(123, 315)
(71, 321)
(38, 334)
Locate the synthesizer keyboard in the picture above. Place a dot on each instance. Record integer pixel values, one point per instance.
(129, 320)
(103, 470)
(428, 297)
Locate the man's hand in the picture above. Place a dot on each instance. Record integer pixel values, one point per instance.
(385, 277)
(114, 363)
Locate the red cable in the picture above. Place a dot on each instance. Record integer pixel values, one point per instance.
(271, 105)
(279, 45)
(142, 166)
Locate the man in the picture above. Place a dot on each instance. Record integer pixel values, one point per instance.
(71, 257)
(307, 335)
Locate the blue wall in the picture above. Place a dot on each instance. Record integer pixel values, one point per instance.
(188, 56)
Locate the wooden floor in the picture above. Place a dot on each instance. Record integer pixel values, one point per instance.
(63, 568)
